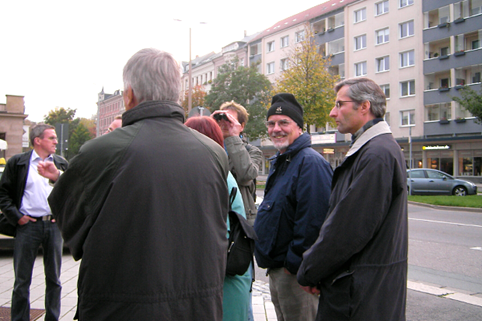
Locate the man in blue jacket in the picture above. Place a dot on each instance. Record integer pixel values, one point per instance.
(293, 209)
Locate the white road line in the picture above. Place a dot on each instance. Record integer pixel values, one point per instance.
(443, 222)
(444, 292)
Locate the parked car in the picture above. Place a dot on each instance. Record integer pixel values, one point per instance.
(428, 181)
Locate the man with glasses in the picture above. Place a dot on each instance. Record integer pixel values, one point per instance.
(293, 209)
(359, 261)
(23, 200)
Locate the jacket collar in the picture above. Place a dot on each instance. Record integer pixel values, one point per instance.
(301, 142)
(153, 109)
(25, 158)
(376, 130)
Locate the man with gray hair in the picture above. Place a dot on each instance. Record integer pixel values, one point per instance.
(23, 201)
(145, 207)
(359, 261)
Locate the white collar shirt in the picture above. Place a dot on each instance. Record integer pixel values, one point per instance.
(37, 190)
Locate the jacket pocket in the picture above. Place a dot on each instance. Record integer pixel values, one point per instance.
(338, 295)
(266, 227)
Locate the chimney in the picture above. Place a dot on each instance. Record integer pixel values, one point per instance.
(245, 33)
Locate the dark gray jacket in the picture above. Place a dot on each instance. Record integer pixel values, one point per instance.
(359, 261)
(145, 208)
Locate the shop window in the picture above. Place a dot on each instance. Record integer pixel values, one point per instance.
(465, 166)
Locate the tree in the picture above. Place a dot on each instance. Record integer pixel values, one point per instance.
(80, 129)
(309, 80)
(246, 86)
(90, 125)
(60, 115)
(80, 135)
(471, 101)
(197, 96)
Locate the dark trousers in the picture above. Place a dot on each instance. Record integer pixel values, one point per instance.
(27, 242)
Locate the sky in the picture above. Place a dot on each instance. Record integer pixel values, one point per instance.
(62, 53)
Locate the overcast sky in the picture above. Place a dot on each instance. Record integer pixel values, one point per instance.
(61, 53)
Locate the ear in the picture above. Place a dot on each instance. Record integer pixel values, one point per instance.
(365, 107)
(130, 100)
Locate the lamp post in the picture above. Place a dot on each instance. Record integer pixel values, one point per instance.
(189, 95)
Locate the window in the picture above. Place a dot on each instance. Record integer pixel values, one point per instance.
(285, 41)
(444, 51)
(407, 88)
(241, 63)
(336, 21)
(407, 117)
(404, 3)
(382, 36)
(284, 64)
(255, 49)
(300, 36)
(360, 42)
(386, 90)
(270, 46)
(360, 15)
(361, 69)
(406, 29)
(383, 64)
(407, 59)
(270, 68)
(381, 7)
(336, 46)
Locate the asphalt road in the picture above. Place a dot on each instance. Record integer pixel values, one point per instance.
(445, 252)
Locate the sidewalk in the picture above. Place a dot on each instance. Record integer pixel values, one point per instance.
(424, 301)
(263, 309)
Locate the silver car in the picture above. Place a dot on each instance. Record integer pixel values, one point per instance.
(431, 181)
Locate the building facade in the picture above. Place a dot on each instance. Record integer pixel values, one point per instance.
(12, 116)
(108, 106)
(421, 53)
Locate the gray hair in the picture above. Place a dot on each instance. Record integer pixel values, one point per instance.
(38, 131)
(364, 89)
(153, 75)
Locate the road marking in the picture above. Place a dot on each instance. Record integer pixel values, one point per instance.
(443, 222)
(478, 248)
(445, 293)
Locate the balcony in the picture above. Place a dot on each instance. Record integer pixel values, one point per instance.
(452, 127)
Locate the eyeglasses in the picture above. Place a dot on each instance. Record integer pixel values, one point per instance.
(281, 123)
(338, 103)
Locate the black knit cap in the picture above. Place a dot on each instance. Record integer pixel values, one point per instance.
(286, 104)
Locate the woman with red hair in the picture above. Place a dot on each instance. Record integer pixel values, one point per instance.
(236, 288)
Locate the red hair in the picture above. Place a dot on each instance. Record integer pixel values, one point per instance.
(207, 126)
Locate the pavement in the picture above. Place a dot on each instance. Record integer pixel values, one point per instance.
(436, 297)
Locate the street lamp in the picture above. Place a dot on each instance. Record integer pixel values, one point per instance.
(189, 95)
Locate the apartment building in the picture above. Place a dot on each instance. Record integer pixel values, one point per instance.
(206, 68)
(420, 52)
(452, 58)
(108, 106)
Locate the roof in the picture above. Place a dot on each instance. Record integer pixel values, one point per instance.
(303, 17)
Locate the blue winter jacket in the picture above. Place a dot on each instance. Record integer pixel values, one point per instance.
(294, 206)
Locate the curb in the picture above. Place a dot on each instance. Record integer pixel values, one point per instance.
(448, 208)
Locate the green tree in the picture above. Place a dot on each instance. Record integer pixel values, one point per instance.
(60, 115)
(471, 101)
(246, 86)
(80, 135)
(309, 80)
(80, 129)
